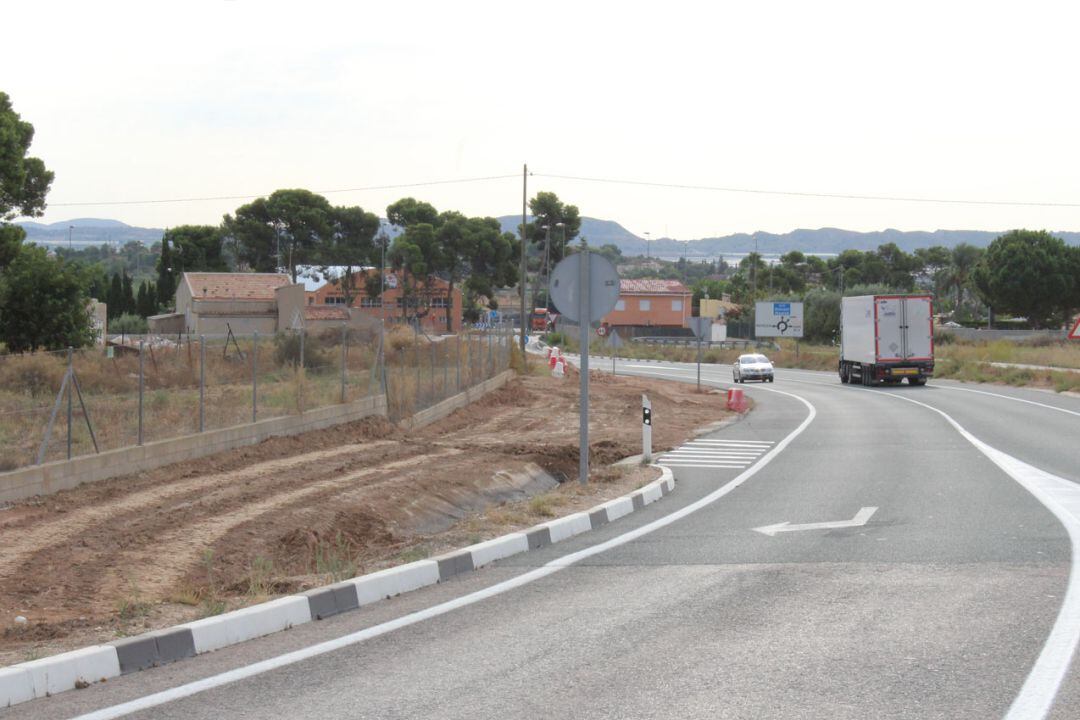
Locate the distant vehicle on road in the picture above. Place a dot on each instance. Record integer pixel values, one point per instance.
(886, 338)
(752, 367)
(542, 320)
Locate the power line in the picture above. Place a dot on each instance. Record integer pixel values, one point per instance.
(252, 197)
(793, 193)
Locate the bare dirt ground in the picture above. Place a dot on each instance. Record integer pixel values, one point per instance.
(125, 555)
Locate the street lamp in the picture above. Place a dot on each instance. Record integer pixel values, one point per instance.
(648, 253)
(70, 228)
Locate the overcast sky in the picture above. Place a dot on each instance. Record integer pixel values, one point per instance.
(947, 100)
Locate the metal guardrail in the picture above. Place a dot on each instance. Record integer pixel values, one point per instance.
(729, 344)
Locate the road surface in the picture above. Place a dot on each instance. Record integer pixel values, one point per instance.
(941, 602)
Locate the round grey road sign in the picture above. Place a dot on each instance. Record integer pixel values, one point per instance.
(564, 287)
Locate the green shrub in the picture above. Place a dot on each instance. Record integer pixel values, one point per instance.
(128, 324)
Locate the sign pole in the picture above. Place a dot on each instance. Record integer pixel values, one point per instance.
(584, 291)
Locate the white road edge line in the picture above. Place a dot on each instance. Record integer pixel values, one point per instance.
(214, 681)
(1037, 695)
(1006, 397)
(1040, 688)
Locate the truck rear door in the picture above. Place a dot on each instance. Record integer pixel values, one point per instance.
(889, 319)
(918, 317)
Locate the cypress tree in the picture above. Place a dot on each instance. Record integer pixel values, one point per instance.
(128, 300)
(115, 297)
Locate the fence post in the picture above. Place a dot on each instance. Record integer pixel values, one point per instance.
(432, 398)
(491, 353)
(300, 376)
(202, 382)
(446, 369)
(140, 392)
(255, 377)
(457, 384)
(71, 373)
(416, 360)
(344, 337)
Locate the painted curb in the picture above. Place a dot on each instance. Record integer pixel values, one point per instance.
(79, 668)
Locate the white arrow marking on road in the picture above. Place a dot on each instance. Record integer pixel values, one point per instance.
(860, 519)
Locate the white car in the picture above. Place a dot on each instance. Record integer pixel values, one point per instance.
(752, 367)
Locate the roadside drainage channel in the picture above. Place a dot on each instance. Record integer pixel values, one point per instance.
(79, 668)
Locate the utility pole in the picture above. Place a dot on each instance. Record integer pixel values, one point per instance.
(753, 289)
(648, 248)
(524, 243)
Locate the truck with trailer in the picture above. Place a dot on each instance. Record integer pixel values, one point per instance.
(886, 338)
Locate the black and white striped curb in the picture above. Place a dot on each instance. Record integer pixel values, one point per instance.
(78, 668)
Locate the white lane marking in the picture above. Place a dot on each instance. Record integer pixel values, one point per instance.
(732, 444)
(1037, 695)
(1006, 397)
(172, 694)
(859, 520)
(705, 453)
(685, 464)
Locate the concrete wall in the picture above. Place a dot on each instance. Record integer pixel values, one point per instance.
(450, 404)
(61, 475)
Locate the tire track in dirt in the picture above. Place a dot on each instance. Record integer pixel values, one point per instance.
(19, 541)
(160, 571)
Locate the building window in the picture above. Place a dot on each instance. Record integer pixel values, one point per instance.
(620, 305)
(438, 302)
(367, 302)
(334, 300)
(676, 305)
(311, 301)
(644, 305)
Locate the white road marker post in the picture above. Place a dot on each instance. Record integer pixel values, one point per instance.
(646, 429)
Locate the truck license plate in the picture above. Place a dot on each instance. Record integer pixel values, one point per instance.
(905, 371)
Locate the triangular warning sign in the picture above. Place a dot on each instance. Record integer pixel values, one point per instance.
(1074, 334)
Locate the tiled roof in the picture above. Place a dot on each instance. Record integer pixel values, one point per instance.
(235, 286)
(325, 312)
(651, 286)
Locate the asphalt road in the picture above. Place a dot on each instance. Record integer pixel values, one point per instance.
(937, 607)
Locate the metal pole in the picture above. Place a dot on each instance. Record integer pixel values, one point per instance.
(446, 369)
(202, 383)
(699, 364)
(71, 373)
(344, 338)
(524, 245)
(584, 312)
(141, 382)
(255, 377)
(432, 400)
(491, 353)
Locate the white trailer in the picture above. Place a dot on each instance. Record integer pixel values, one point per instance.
(886, 338)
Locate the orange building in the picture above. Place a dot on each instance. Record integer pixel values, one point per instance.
(427, 300)
(650, 303)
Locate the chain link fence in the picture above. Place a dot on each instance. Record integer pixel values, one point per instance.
(59, 405)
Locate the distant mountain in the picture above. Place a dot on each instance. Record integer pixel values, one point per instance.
(89, 231)
(97, 231)
(823, 240)
(597, 232)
